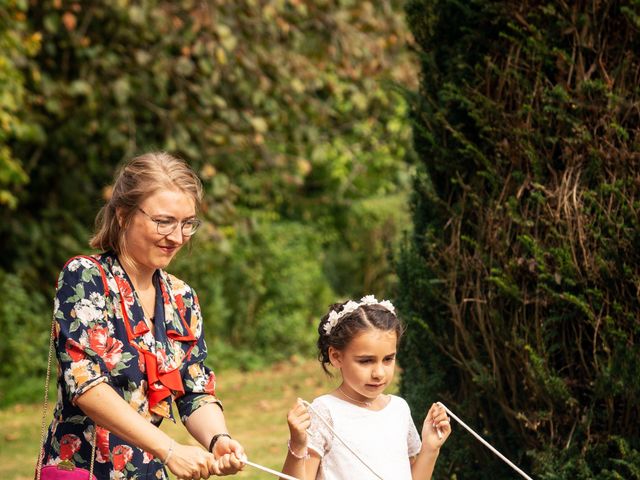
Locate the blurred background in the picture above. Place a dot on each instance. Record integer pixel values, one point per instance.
(291, 112)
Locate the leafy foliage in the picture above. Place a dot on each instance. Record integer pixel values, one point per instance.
(522, 276)
(260, 298)
(277, 105)
(291, 112)
(15, 45)
(24, 335)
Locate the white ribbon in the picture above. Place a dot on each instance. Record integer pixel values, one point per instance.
(484, 442)
(268, 470)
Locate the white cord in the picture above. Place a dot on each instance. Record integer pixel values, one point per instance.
(287, 477)
(484, 442)
(308, 405)
(268, 470)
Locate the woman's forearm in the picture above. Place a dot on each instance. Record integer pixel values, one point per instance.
(206, 422)
(105, 407)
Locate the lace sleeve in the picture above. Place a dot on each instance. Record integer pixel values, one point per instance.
(320, 437)
(414, 444)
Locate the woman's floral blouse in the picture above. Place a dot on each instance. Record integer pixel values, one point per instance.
(102, 338)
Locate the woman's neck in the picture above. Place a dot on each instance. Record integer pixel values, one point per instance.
(142, 278)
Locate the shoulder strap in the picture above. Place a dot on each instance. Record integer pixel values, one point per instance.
(45, 403)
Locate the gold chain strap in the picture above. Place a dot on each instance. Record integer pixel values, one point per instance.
(45, 406)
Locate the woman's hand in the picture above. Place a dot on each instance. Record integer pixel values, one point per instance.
(190, 462)
(436, 420)
(229, 454)
(194, 463)
(299, 421)
(227, 464)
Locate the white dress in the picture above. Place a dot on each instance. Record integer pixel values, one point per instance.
(384, 439)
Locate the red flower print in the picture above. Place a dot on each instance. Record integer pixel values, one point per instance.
(141, 327)
(98, 339)
(74, 350)
(102, 444)
(120, 456)
(163, 359)
(107, 347)
(69, 445)
(141, 364)
(210, 387)
(180, 304)
(147, 457)
(125, 290)
(165, 296)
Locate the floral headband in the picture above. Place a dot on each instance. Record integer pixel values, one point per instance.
(351, 306)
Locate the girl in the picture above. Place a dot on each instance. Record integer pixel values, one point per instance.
(360, 339)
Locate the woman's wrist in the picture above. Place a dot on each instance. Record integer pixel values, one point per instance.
(215, 438)
(161, 446)
(169, 452)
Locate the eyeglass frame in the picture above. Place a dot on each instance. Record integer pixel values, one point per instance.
(195, 224)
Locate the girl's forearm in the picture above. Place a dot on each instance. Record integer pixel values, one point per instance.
(303, 468)
(425, 462)
(294, 466)
(107, 409)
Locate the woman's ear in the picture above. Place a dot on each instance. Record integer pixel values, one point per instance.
(119, 216)
(335, 357)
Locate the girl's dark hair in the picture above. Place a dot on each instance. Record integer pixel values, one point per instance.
(364, 317)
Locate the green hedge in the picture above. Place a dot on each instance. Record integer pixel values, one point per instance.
(260, 300)
(520, 284)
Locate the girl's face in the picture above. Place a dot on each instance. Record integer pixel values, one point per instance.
(146, 248)
(367, 363)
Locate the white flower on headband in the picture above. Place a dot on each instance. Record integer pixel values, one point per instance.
(351, 306)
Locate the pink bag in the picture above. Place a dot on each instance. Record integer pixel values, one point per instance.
(65, 471)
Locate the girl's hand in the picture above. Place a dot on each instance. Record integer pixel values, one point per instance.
(436, 419)
(299, 421)
(189, 462)
(228, 453)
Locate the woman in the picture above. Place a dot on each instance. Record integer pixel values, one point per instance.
(129, 339)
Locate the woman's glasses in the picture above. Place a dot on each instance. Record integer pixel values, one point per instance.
(166, 225)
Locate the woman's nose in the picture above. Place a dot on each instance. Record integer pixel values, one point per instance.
(176, 236)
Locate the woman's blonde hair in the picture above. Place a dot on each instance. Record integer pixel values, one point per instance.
(136, 180)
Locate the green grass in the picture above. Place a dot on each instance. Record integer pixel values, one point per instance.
(256, 406)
